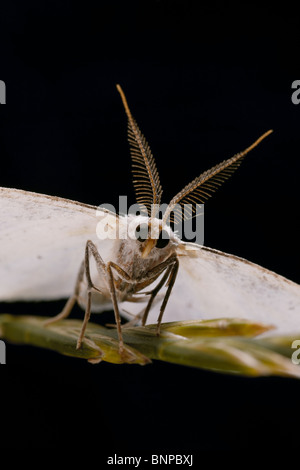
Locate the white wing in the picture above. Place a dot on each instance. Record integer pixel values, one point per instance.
(42, 243)
(213, 284)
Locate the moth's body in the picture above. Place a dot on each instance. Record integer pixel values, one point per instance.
(127, 253)
(44, 241)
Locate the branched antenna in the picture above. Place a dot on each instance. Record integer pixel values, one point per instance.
(182, 206)
(145, 175)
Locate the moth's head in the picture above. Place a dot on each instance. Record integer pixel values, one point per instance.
(154, 237)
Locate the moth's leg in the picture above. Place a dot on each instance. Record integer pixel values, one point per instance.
(90, 248)
(105, 269)
(171, 265)
(87, 316)
(112, 289)
(134, 321)
(135, 317)
(171, 281)
(153, 294)
(168, 263)
(71, 301)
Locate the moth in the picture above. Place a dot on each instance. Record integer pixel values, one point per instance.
(49, 249)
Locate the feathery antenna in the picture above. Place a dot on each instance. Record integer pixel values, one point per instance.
(145, 175)
(182, 206)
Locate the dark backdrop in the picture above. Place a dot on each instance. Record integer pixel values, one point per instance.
(203, 83)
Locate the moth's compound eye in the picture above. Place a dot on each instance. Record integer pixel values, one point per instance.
(141, 232)
(163, 239)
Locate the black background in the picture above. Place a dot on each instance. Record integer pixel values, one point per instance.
(203, 82)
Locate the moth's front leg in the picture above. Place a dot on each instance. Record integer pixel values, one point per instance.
(143, 315)
(84, 270)
(105, 270)
(171, 265)
(90, 248)
(170, 284)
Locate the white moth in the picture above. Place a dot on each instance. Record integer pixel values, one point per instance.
(49, 249)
